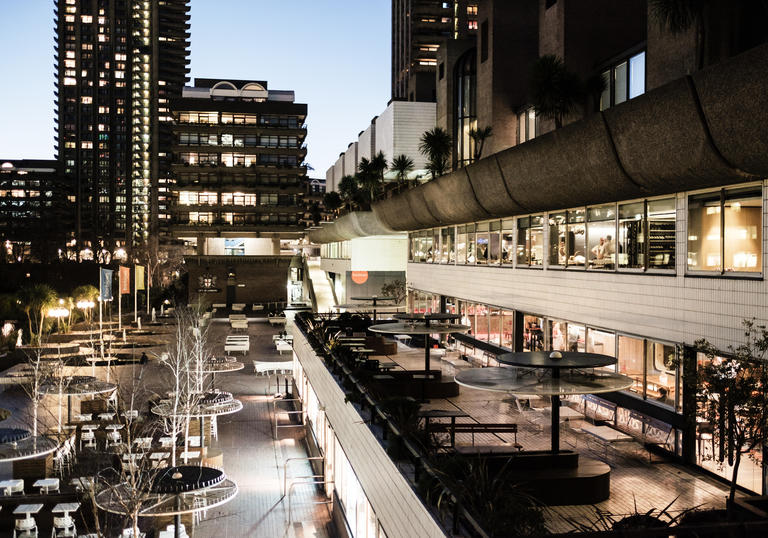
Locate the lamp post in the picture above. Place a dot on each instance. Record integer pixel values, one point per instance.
(58, 313)
(85, 306)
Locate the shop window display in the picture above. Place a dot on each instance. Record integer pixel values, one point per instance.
(533, 334)
(601, 234)
(725, 231)
(575, 239)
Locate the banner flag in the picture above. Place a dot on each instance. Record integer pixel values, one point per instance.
(105, 284)
(140, 277)
(125, 280)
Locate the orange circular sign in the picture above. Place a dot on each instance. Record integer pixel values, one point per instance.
(359, 277)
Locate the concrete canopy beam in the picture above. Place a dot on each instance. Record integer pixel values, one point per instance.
(574, 165)
(451, 199)
(739, 132)
(491, 190)
(662, 141)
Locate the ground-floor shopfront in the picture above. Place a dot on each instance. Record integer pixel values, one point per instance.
(662, 371)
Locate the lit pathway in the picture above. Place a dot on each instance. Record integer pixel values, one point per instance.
(255, 460)
(321, 285)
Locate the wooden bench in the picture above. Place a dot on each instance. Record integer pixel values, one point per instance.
(603, 410)
(653, 432)
(477, 427)
(269, 368)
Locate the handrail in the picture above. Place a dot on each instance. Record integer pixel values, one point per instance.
(316, 482)
(299, 412)
(417, 457)
(285, 468)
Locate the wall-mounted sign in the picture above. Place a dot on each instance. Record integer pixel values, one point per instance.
(359, 277)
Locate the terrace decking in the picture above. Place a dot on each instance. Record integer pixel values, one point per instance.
(634, 481)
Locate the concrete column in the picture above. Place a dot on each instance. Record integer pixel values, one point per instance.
(276, 246)
(201, 245)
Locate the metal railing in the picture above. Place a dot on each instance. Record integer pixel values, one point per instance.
(285, 470)
(300, 412)
(313, 482)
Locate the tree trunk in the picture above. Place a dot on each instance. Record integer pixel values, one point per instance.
(734, 478)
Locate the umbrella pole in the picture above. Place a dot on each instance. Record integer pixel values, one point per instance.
(555, 415)
(177, 518)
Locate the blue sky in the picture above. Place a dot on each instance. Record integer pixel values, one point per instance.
(335, 54)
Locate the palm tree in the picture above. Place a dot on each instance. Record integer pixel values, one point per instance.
(379, 165)
(479, 136)
(436, 145)
(35, 301)
(555, 91)
(332, 201)
(348, 189)
(402, 165)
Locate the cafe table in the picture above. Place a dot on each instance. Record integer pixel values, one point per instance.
(65, 508)
(47, 485)
(9, 486)
(28, 509)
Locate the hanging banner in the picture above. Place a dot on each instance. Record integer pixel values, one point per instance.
(125, 280)
(140, 277)
(105, 284)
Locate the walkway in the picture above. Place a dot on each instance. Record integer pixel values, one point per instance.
(255, 460)
(321, 285)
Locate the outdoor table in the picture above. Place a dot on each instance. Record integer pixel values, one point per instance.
(65, 508)
(82, 483)
(569, 413)
(10, 486)
(190, 454)
(386, 366)
(85, 417)
(159, 455)
(425, 325)
(606, 435)
(570, 372)
(166, 441)
(89, 427)
(106, 416)
(143, 442)
(28, 509)
(429, 414)
(47, 485)
(112, 427)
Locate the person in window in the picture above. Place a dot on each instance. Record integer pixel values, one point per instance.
(597, 251)
(609, 249)
(663, 397)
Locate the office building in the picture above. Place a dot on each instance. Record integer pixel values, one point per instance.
(238, 168)
(419, 28)
(35, 213)
(118, 62)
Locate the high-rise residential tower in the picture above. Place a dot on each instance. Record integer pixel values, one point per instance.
(418, 29)
(119, 62)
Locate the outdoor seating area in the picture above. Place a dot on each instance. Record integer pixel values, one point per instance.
(604, 446)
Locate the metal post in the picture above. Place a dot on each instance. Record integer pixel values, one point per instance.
(555, 416)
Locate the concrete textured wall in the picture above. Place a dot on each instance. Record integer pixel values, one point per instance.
(264, 279)
(351, 160)
(366, 143)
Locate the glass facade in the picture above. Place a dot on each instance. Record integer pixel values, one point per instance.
(632, 236)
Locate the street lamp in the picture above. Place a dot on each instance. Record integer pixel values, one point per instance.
(58, 313)
(86, 306)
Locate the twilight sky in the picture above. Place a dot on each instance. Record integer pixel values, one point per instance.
(335, 54)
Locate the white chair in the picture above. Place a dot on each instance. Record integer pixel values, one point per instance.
(131, 414)
(166, 442)
(89, 437)
(26, 527)
(85, 417)
(63, 527)
(214, 428)
(199, 504)
(113, 438)
(194, 440)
